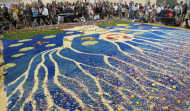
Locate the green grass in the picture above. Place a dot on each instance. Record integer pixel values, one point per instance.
(30, 33)
(113, 22)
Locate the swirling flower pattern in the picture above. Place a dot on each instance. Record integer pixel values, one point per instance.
(134, 71)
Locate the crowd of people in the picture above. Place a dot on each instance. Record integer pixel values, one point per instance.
(40, 14)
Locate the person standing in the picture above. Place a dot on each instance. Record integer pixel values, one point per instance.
(130, 11)
(35, 12)
(158, 13)
(45, 13)
(178, 9)
(135, 9)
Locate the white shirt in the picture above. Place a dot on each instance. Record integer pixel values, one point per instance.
(115, 8)
(178, 9)
(96, 17)
(159, 9)
(82, 19)
(135, 8)
(45, 12)
(89, 9)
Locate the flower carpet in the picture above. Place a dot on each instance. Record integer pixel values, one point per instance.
(89, 68)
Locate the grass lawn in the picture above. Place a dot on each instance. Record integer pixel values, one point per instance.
(113, 22)
(30, 33)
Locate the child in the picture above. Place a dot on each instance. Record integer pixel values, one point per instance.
(82, 19)
(35, 23)
(18, 25)
(48, 20)
(41, 22)
(91, 18)
(96, 17)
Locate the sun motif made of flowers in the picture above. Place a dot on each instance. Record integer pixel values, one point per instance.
(116, 37)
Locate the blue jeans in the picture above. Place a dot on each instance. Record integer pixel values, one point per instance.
(134, 15)
(130, 15)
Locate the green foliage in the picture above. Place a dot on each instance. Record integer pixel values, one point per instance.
(113, 22)
(30, 33)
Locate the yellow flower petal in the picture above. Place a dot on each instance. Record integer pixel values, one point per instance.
(180, 72)
(132, 96)
(163, 98)
(151, 106)
(150, 67)
(174, 86)
(178, 101)
(18, 55)
(137, 102)
(171, 80)
(119, 109)
(184, 80)
(165, 107)
(173, 64)
(26, 49)
(16, 45)
(150, 97)
(180, 59)
(25, 40)
(159, 80)
(152, 91)
(9, 65)
(153, 84)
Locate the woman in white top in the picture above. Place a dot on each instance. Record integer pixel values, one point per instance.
(45, 13)
(158, 13)
(135, 9)
(178, 9)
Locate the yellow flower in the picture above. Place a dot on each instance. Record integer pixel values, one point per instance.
(159, 75)
(152, 91)
(178, 101)
(153, 84)
(76, 110)
(146, 72)
(16, 45)
(137, 77)
(174, 86)
(132, 96)
(165, 107)
(180, 72)
(185, 44)
(180, 59)
(173, 64)
(151, 106)
(184, 80)
(26, 49)
(171, 80)
(150, 97)
(137, 102)
(119, 109)
(163, 98)
(9, 65)
(18, 55)
(166, 66)
(159, 79)
(150, 67)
